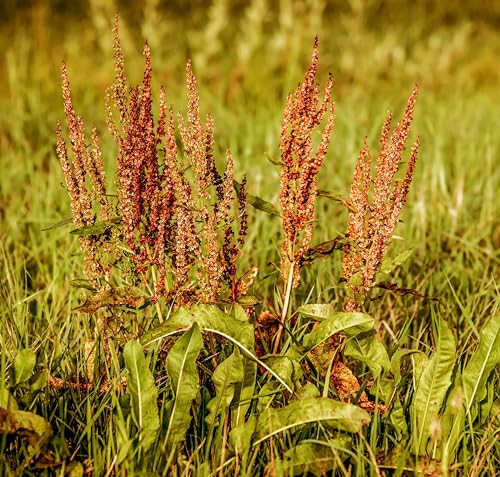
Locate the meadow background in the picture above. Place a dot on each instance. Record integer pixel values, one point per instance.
(247, 56)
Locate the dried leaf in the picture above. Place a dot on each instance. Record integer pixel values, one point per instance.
(130, 297)
(246, 281)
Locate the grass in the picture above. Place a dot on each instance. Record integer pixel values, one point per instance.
(450, 219)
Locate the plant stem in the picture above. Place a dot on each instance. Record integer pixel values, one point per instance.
(286, 305)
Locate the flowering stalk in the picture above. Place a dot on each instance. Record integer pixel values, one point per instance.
(176, 229)
(372, 222)
(298, 185)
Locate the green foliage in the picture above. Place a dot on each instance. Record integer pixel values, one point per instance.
(431, 389)
(181, 367)
(337, 415)
(24, 363)
(143, 393)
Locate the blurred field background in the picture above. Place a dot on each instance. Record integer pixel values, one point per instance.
(247, 56)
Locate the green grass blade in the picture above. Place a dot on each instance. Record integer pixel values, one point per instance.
(183, 372)
(143, 393)
(432, 388)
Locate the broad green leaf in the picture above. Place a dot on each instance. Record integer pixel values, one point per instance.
(258, 203)
(226, 377)
(318, 311)
(349, 323)
(36, 429)
(183, 373)
(244, 390)
(389, 264)
(268, 393)
(24, 363)
(472, 388)
(419, 360)
(338, 415)
(240, 437)
(6, 400)
(431, 388)
(99, 228)
(74, 469)
(283, 366)
(315, 457)
(369, 351)
(309, 390)
(143, 393)
(389, 388)
(452, 423)
(482, 362)
(39, 380)
(211, 319)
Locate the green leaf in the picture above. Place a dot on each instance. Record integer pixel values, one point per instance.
(333, 322)
(419, 360)
(34, 428)
(268, 393)
(241, 436)
(211, 319)
(336, 196)
(272, 160)
(183, 373)
(431, 388)
(225, 378)
(316, 458)
(472, 387)
(74, 469)
(6, 400)
(61, 223)
(309, 390)
(388, 265)
(24, 363)
(389, 388)
(482, 362)
(369, 351)
(283, 366)
(99, 228)
(318, 311)
(338, 415)
(258, 203)
(143, 393)
(83, 283)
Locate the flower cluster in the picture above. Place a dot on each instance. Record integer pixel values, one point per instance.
(298, 187)
(176, 231)
(372, 219)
